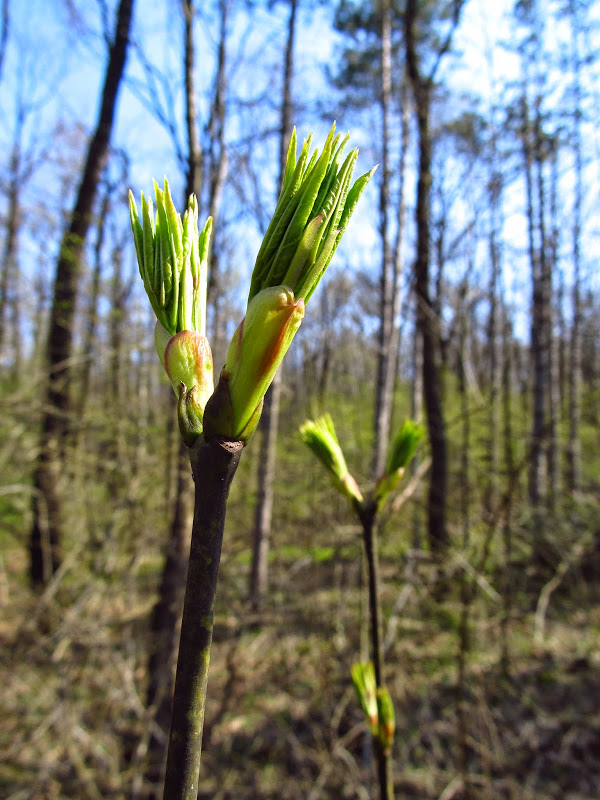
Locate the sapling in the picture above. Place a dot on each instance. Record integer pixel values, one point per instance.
(316, 201)
(374, 697)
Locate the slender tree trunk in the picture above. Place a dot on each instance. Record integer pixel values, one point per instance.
(116, 390)
(46, 533)
(495, 374)
(216, 170)
(386, 357)
(164, 624)
(427, 323)
(509, 469)
(193, 182)
(5, 25)
(270, 414)
(574, 445)
(7, 265)
(416, 406)
(89, 339)
(537, 476)
(259, 574)
(465, 581)
(552, 342)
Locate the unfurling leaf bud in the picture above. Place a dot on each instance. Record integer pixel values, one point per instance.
(363, 678)
(400, 455)
(172, 258)
(320, 436)
(315, 204)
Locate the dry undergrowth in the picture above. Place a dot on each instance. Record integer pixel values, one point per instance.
(282, 720)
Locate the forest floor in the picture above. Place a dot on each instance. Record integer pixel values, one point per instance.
(282, 718)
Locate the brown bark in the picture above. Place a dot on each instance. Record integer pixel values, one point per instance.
(164, 625)
(7, 264)
(427, 323)
(386, 357)
(216, 170)
(259, 572)
(46, 500)
(5, 24)
(541, 328)
(509, 469)
(193, 183)
(89, 339)
(495, 375)
(552, 343)
(574, 368)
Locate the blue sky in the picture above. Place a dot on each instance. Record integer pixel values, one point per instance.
(58, 60)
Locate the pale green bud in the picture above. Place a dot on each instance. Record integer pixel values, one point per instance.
(363, 678)
(386, 720)
(255, 352)
(188, 362)
(315, 204)
(172, 258)
(321, 437)
(402, 451)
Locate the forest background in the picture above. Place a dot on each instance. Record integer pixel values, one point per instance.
(464, 294)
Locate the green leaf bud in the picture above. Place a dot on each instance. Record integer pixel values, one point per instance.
(188, 361)
(255, 352)
(401, 453)
(314, 207)
(404, 445)
(320, 436)
(363, 679)
(172, 259)
(190, 413)
(387, 720)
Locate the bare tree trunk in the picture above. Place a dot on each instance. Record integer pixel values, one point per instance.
(4, 32)
(552, 343)
(427, 322)
(89, 339)
(495, 375)
(270, 415)
(509, 468)
(465, 580)
(193, 182)
(416, 410)
(216, 170)
(537, 476)
(386, 357)
(574, 444)
(46, 533)
(7, 265)
(116, 387)
(165, 622)
(17, 174)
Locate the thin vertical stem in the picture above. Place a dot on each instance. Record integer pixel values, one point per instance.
(368, 519)
(214, 464)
